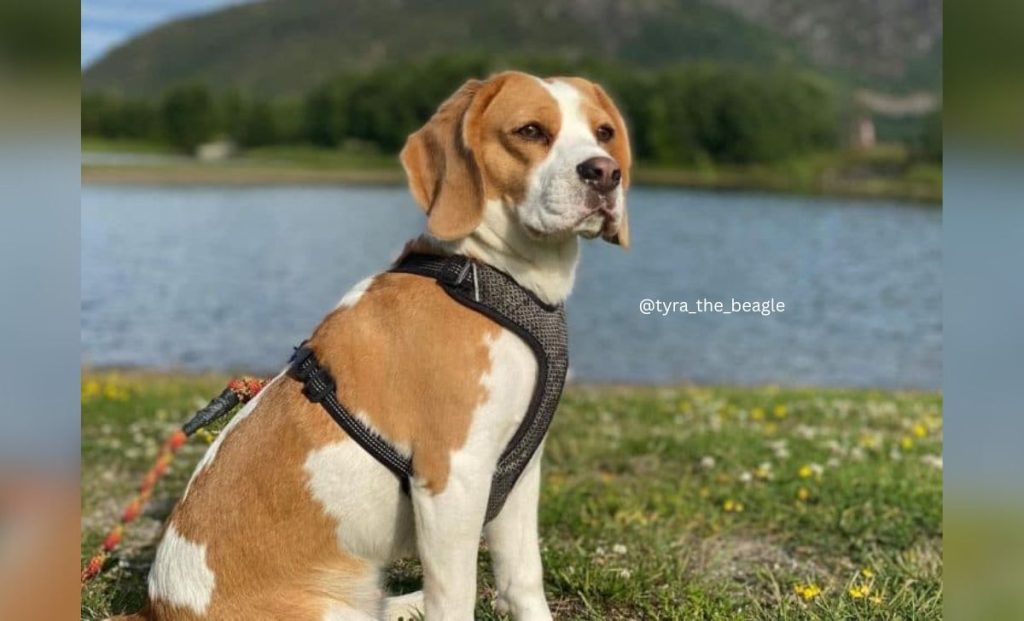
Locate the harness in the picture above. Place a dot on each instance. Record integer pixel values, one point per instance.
(499, 297)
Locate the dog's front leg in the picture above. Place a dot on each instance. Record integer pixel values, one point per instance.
(515, 550)
(448, 527)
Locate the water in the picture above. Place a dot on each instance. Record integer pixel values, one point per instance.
(231, 278)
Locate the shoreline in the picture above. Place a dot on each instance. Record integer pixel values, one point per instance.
(610, 386)
(243, 173)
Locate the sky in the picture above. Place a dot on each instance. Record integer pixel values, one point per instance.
(106, 23)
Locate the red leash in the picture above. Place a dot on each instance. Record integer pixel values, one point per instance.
(239, 390)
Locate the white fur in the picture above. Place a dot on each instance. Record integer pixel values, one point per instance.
(408, 607)
(353, 295)
(448, 524)
(374, 518)
(180, 574)
(515, 550)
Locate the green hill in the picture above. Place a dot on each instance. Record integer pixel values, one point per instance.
(280, 47)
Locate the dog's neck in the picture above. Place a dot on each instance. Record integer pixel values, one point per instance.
(545, 267)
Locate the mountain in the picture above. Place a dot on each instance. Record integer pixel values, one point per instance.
(283, 47)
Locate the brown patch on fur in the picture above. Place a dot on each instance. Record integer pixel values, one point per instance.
(506, 158)
(406, 356)
(413, 369)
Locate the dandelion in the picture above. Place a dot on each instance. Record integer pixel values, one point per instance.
(757, 413)
(808, 470)
(907, 443)
(920, 430)
(803, 494)
(860, 591)
(875, 599)
(807, 591)
(867, 572)
(779, 411)
(732, 506)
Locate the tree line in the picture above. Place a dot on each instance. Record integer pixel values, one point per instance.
(686, 114)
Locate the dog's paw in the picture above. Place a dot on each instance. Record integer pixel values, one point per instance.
(408, 607)
(501, 605)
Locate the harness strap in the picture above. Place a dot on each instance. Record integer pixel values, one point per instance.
(319, 387)
(499, 297)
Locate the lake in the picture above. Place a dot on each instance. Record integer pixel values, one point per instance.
(230, 278)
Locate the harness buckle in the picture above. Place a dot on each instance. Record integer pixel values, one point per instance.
(456, 270)
(318, 385)
(298, 368)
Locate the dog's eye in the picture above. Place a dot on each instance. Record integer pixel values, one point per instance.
(604, 133)
(531, 131)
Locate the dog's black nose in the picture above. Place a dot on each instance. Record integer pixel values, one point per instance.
(601, 173)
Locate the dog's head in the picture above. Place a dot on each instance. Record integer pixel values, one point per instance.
(554, 153)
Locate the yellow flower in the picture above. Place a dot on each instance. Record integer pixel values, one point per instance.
(805, 471)
(731, 506)
(906, 443)
(757, 413)
(860, 591)
(876, 599)
(90, 389)
(770, 428)
(803, 494)
(807, 591)
(779, 411)
(920, 430)
(867, 572)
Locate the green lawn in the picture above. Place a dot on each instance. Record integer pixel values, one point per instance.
(658, 503)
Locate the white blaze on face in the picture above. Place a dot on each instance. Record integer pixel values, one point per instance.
(556, 199)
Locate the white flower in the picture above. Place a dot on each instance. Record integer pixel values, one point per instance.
(707, 462)
(935, 461)
(746, 477)
(619, 549)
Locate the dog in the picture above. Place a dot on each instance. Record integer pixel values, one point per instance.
(285, 516)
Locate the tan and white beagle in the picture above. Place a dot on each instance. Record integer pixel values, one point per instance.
(286, 517)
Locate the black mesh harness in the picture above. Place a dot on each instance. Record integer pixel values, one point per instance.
(498, 296)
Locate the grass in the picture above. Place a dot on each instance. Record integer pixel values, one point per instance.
(882, 172)
(658, 503)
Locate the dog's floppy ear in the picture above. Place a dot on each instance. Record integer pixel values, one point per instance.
(443, 175)
(619, 149)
